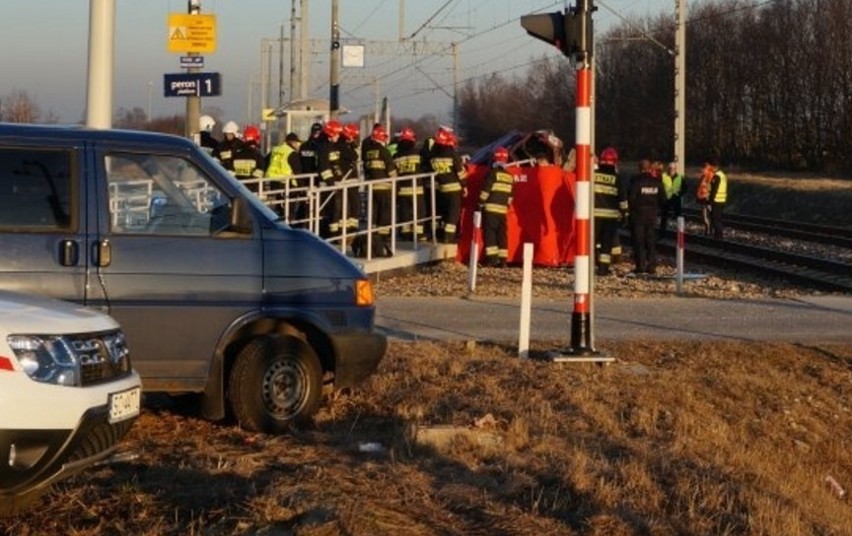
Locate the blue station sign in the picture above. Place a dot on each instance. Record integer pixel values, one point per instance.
(192, 85)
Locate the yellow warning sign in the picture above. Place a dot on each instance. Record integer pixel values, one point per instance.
(192, 33)
(268, 114)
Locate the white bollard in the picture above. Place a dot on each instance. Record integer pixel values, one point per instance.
(473, 261)
(679, 257)
(526, 304)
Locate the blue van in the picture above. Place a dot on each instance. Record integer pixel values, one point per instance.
(215, 295)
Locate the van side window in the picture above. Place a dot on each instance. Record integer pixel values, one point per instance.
(160, 194)
(35, 189)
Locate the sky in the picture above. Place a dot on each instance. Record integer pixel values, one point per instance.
(44, 51)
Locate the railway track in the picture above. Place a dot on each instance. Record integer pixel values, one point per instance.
(818, 234)
(816, 272)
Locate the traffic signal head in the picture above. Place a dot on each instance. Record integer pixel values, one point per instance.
(570, 32)
(549, 27)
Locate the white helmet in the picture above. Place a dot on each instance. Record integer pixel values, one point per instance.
(206, 123)
(231, 128)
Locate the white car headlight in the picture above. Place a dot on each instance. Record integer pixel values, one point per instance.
(72, 360)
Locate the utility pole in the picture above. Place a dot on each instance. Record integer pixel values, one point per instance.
(293, 68)
(456, 62)
(680, 88)
(334, 63)
(193, 102)
(304, 71)
(101, 56)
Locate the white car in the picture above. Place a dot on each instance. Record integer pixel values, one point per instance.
(68, 393)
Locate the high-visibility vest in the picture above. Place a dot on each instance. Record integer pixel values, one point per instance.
(672, 184)
(722, 190)
(279, 166)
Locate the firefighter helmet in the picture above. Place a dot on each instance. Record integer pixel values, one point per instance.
(251, 134)
(231, 128)
(407, 134)
(332, 128)
(206, 123)
(445, 136)
(351, 131)
(501, 154)
(609, 157)
(379, 133)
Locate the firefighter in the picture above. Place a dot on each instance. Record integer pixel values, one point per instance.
(610, 208)
(330, 172)
(645, 198)
(226, 149)
(378, 165)
(494, 200)
(411, 203)
(674, 186)
(450, 180)
(249, 163)
(205, 134)
(284, 162)
(717, 197)
(350, 141)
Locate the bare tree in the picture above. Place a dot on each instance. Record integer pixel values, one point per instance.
(18, 107)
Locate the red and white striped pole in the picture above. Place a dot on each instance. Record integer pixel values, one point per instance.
(581, 319)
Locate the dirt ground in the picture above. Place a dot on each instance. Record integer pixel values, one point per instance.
(693, 438)
(458, 439)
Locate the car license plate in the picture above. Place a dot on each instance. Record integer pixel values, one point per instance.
(124, 405)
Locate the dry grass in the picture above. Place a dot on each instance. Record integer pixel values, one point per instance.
(689, 438)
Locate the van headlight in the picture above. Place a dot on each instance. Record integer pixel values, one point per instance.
(72, 360)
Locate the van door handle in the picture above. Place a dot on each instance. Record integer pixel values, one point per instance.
(102, 253)
(69, 252)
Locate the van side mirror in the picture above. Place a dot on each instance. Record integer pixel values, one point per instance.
(240, 216)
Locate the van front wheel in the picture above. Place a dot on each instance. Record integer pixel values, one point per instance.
(276, 382)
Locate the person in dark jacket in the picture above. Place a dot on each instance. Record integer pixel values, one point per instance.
(494, 200)
(308, 150)
(645, 198)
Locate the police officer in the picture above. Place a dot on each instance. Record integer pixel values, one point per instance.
(494, 200)
(717, 198)
(308, 150)
(330, 172)
(249, 163)
(610, 208)
(378, 165)
(410, 198)
(226, 149)
(450, 178)
(646, 197)
(350, 141)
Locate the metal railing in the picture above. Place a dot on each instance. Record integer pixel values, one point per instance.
(300, 201)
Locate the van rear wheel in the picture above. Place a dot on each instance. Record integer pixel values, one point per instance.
(276, 382)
